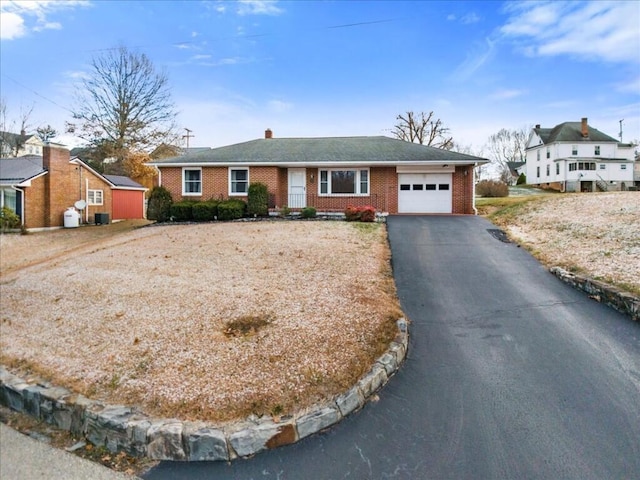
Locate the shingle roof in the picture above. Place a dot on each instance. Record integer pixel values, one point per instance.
(323, 150)
(122, 181)
(15, 170)
(571, 132)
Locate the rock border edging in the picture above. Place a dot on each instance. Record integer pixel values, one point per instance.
(602, 292)
(121, 428)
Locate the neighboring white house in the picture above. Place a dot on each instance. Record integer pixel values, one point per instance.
(574, 157)
(19, 145)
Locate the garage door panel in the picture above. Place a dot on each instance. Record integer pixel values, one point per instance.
(424, 193)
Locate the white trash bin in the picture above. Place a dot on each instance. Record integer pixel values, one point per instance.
(71, 218)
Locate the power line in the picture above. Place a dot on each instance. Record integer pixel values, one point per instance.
(36, 93)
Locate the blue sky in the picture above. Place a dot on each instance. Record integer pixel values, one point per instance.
(339, 68)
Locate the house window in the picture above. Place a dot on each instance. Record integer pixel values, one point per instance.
(573, 167)
(574, 150)
(344, 182)
(238, 181)
(191, 181)
(623, 167)
(538, 172)
(94, 197)
(538, 155)
(8, 199)
(557, 169)
(548, 169)
(603, 166)
(548, 152)
(596, 150)
(586, 166)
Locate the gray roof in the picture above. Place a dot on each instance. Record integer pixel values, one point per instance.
(122, 181)
(571, 132)
(323, 150)
(16, 170)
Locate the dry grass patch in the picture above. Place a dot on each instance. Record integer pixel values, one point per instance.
(210, 322)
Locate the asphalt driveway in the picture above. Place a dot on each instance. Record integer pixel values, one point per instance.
(510, 374)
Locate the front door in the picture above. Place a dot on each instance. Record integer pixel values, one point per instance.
(297, 188)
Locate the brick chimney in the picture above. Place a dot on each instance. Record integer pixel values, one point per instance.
(268, 133)
(60, 184)
(585, 128)
(537, 126)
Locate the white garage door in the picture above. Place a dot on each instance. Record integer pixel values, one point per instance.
(424, 193)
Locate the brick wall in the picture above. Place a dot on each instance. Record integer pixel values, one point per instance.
(34, 204)
(462, 193)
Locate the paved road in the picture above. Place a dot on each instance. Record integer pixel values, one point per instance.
(510, 374)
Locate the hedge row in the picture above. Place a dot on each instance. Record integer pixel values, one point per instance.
(189, 210)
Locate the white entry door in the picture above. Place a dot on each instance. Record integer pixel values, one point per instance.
(297, 188)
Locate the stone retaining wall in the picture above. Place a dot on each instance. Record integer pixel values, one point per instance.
(622, 301)
(120, 428)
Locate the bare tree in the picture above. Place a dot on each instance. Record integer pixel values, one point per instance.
(422, 129)
(12, 142)
(506, 146)
(45, 134)
(125, 105)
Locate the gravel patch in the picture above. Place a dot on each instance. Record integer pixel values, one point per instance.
(143, 318)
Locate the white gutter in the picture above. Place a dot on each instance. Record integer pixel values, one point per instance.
(473, 181)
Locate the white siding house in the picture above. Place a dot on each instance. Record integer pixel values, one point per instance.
(574, 157)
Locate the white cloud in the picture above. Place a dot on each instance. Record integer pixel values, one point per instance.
(475, 60)
(279, 106)
(258, 7)
(18, 18)
(589, 30)
(470, 18)
(506, 94)
(11, 25)
(451, 17)
(631, 86)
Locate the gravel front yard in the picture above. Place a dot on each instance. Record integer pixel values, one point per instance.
(208, 322)
(597, 234)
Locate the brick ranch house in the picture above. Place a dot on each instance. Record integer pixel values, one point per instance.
(40, 188)
(330, 173)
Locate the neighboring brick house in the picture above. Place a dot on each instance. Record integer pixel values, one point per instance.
(574, 157)
(329, 173)
(40, 188)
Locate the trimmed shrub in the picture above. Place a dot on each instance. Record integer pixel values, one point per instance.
(182, 211)
(231, 209)
(8, 219)
(159, 207)
(205, 211)
(522, 179)
(308, 212)
(258, 200)
(360, 214)
(492, 188)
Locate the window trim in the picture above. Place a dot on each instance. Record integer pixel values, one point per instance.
(95, 191)
(574, 150)
(358, 182)
(596, 150)
(231, 181)
(184, 192)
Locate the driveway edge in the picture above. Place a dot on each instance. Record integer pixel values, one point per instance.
(121, 428)
(621, 301)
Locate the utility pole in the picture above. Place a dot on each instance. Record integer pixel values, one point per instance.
(188, 136)
(621, 130)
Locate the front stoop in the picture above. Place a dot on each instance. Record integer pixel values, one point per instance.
(123, 429)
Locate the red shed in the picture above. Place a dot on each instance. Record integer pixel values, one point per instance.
(127, 198)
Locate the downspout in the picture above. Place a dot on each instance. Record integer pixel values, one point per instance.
(21, 203)
(86, 210)
(473, 192)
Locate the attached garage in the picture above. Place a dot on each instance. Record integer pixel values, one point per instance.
(425, 192)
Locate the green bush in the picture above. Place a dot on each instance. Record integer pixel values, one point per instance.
(258, 200)
(284, 211)
(492, 188)
(159, 207)
(8, 219)
(308, 212)
(231, 209)
(205, 211)
(182, 211)
(522, 179)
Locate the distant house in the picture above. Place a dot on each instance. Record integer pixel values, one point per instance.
(574, 157)
(40, 188)
(515, 169)
(19, 144)
(328, 174)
